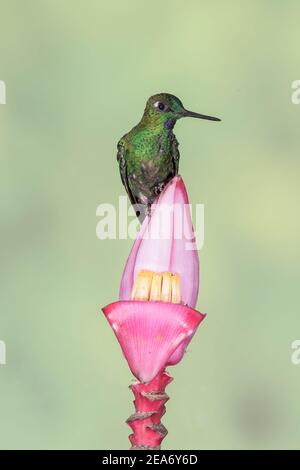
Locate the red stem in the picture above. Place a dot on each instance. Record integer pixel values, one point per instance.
(150, 399)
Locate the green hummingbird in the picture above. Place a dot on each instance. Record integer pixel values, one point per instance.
(148, 155)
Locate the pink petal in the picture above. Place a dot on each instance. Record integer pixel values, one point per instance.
(127, 280)
(166, 242)
(150, 332)
(185, 259)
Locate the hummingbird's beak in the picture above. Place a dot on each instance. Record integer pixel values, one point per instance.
(199, 116)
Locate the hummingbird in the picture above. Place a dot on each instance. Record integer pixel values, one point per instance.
(148, 155)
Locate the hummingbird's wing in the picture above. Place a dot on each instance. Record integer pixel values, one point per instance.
(123, 172)
(175, 153)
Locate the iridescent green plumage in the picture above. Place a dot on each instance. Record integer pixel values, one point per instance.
(148, 155)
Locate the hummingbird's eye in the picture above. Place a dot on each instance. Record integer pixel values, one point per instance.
(161, 106)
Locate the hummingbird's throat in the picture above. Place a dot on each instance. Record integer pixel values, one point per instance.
(163, 287)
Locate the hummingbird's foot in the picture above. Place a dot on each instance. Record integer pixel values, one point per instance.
(148, 211)
(158, 188)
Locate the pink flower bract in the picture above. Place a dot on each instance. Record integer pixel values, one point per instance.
(149, 333)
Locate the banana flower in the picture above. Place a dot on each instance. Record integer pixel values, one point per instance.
(155, 318)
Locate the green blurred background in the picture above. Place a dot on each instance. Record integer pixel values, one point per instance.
(78, 74)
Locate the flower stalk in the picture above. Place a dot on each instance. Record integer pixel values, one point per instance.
(149, 402)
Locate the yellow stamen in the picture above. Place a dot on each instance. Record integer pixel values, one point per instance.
(176, 296)
(163, 287)
(155, 293)
(142, 286)
(166, 288)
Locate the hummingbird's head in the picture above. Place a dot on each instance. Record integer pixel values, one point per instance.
(165, 109)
